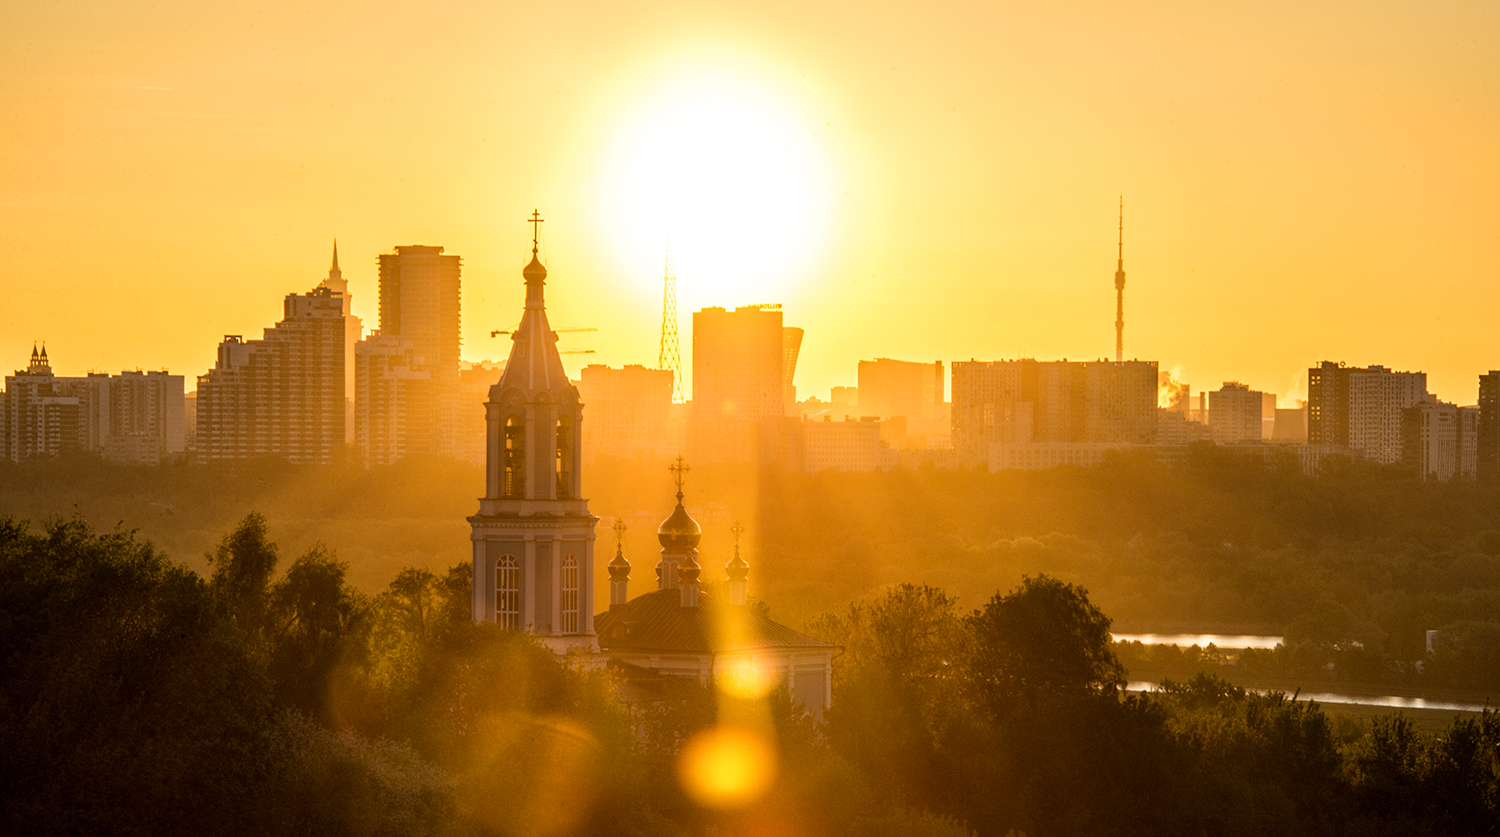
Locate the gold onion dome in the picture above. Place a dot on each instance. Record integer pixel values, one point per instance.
(619, 568)
(534, 270)
(738, 569)
(679, 532)
(689, 571)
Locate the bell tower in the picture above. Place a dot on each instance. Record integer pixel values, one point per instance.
(533, 536)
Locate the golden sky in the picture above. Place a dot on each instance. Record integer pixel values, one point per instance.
(1302, 181)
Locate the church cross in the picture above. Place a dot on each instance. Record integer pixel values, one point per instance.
(619, 528)
(536, 220)
(679, 471)
(737, 530)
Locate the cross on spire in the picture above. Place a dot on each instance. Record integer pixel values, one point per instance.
(679, 471)
(737, 530)
(619, 528)
(535, 222)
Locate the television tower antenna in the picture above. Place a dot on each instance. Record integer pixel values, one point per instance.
(668, 356)
(1120, 291)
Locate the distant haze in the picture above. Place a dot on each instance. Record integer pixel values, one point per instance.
(1300, 183)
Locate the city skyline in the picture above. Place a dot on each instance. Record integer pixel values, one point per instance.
(1292, 188)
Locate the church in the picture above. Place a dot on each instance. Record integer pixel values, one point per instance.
(533, 541)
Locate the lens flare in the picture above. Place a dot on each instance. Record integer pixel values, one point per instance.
(744, 680)
(727, 767)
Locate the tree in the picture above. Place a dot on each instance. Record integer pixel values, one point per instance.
(128, 705)
(315, 619)
(243, 564)
(1042, 641)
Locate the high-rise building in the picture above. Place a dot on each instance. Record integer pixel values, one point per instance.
(1360, 407)
(419, 322)
(1487, 429)
(391, 385)
(791, 348)
(135, 417)
(1235, 413)
(44, 413)
(630, 413)
(743, 363)
(533, 536)
(900, 388)
(1025, 401)
(353, 331)
(282, 395)
(739, 363)
(1438, 440)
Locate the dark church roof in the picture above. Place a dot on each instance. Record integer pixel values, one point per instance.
(657, 622)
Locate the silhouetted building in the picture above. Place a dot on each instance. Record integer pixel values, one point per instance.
(1487, 448)
(353, 331)
(1022, 401)
(1173, 427)
(791, 348)
(141, 417)
(392, 387)
(419, 321)
(630, 413)
(743, 365)
(900, 388)
(282, 395)
(1439, 440)
(1290, 425)
(533, 536)
(1234, 413)
(1360, 408)
(134, 417)
(841, 446)
(680, 630)
(44, 413)
(474, 382)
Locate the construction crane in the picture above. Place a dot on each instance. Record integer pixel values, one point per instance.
(499, 332)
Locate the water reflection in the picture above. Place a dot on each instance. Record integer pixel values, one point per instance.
(1202, 640)
(1392, 701)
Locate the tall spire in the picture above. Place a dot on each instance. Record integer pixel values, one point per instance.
(668, 356)
(534, 272)
(333, 272)
(1120, 290)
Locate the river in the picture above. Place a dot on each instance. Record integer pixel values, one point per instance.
(1232, 641)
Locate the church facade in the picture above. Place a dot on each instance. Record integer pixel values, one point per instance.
(533, 541)
(533, 537)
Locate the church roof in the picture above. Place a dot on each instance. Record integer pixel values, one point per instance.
(658, 622)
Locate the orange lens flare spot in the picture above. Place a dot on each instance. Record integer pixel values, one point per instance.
(745, 681)
(727, 767)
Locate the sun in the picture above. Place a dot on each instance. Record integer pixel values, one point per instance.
(728, 175)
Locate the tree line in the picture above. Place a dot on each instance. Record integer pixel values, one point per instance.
(138, 697)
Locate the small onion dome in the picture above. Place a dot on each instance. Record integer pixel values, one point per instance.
(619, 568)
(679, 533)
(689, 570)
(534, 271)
(738, 569)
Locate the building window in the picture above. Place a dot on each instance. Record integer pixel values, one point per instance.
(570, 595)
(508, 592)
(515, 458)
(564, 457)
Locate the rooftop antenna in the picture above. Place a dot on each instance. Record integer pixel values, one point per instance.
(1120, 291)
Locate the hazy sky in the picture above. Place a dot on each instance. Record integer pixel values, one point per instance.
(920, 181)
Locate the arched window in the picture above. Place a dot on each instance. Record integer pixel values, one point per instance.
(570, 595)
(564, 457)
(514, 483)
(508, 592)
